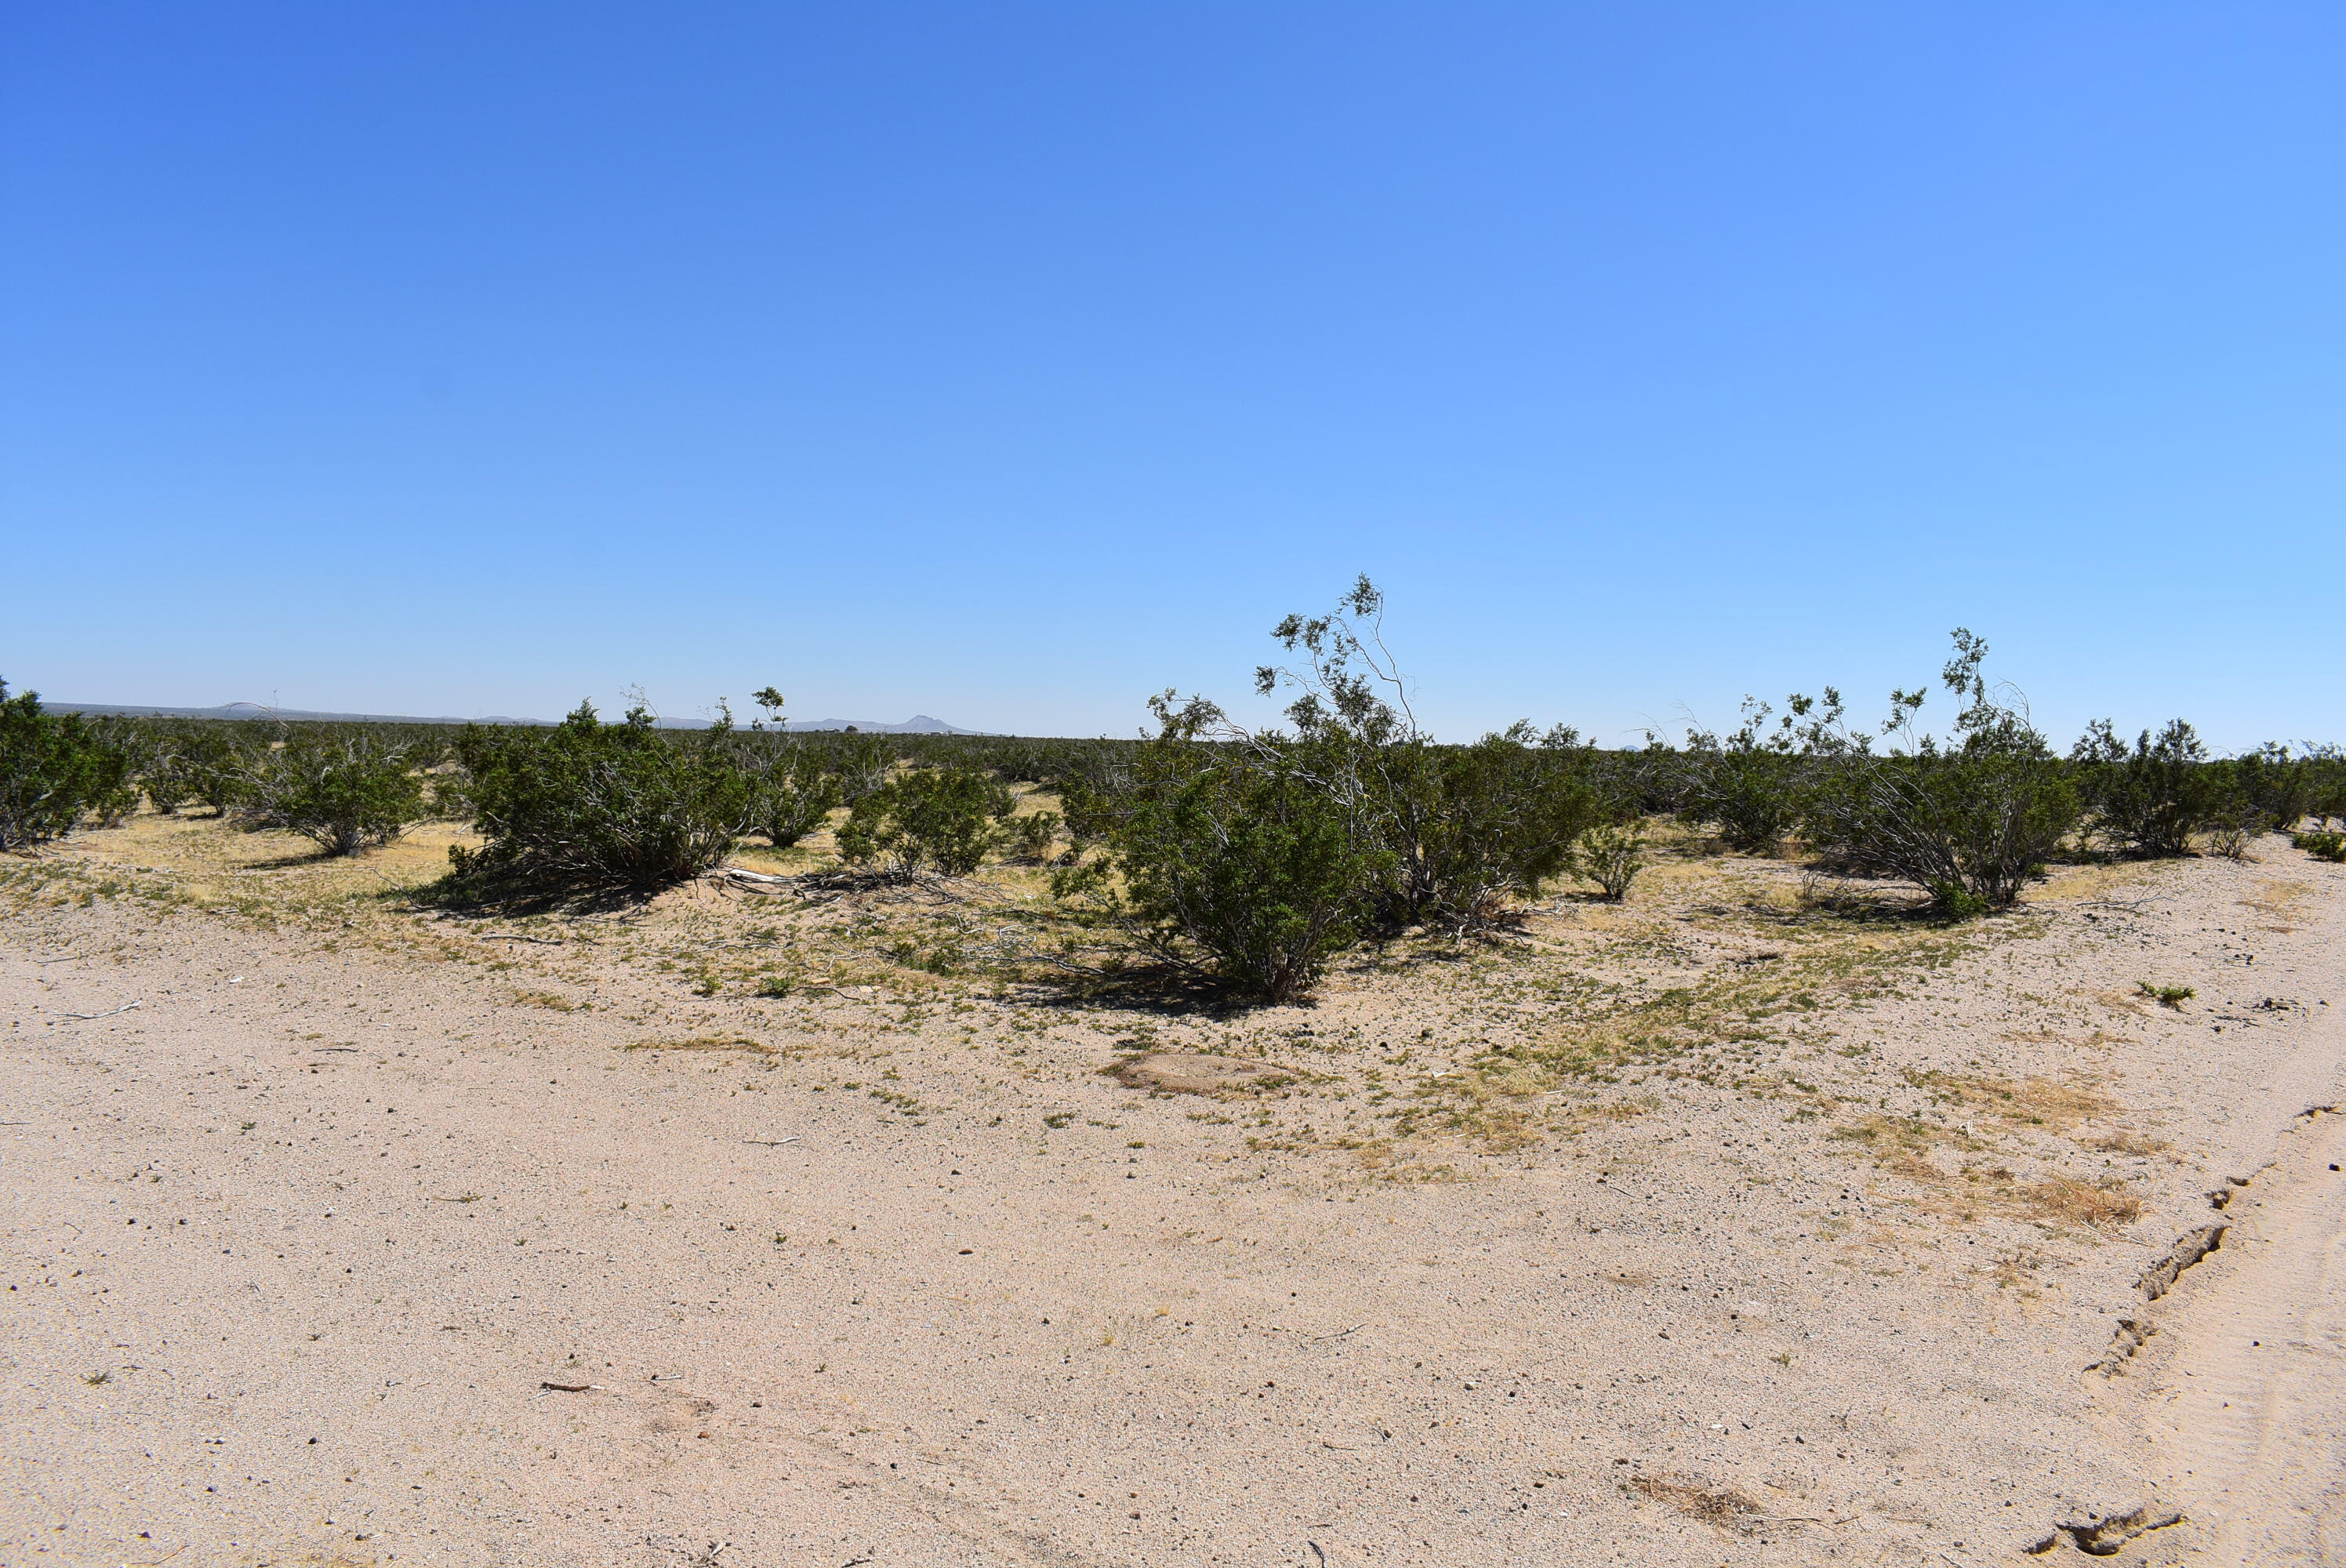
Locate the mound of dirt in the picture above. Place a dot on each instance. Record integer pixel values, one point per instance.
(1196, 1073)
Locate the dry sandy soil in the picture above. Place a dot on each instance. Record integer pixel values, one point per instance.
(1747, 1224)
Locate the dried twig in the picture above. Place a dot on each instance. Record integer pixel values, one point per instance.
(1339, 1334)
(774, 1143)
(570, 1387)
(108, 1013)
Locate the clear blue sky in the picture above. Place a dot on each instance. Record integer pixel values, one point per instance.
(1008, 362)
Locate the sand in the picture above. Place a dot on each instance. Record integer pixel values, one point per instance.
(364, 1239)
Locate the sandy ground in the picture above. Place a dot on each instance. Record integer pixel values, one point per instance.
(433, 1250)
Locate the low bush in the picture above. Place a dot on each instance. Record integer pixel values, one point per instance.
(1611, 854)
(2150, 800)
(2322, 845)
(201, 760)
(1029, 839)
(344, 793)
(792, 791)
(588, 807)
(941, 818)
(55, 768)
(1457, 830)
(1236, 864)
(1752, 785)
(1971, 824)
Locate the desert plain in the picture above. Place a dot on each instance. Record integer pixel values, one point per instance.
(793, 1223)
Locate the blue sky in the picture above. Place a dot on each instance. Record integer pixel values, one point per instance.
(1009, 362)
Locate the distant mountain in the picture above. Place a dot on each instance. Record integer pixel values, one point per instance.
(257, 710)
(919, 724)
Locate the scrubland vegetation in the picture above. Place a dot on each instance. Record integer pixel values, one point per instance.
(1203, 853)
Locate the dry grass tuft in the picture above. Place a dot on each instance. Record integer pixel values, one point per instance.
(704, 1043)
(2281, 899)
(1196, 1073)
(2055, 1103)
(546, 999)
(2076, 1202)
(1723, 1508)
(2126, 1142)
(2078, 883)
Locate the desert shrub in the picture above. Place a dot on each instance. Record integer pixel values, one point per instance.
(1750, 785)
(862, 763)
(1456, 829)
(1501, 818)
(153, 764)
(119, 735)
(55, 768)
(2322, 845)
(1029, 839)
(344, 793)
(1611, 854)
(202, 760)
(1236, 864)
(587, 807)
(944, 819)
(2149, 799)
(791, 792)
(1970, 823)
(2276, 787)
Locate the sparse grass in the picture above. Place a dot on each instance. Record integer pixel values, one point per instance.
(707, 1042)
(546, 999)
(2036, 1102)
(2126, 1142)
(2068, 1200)
(2085, 884)
(2173, 996)
(1723, 1508)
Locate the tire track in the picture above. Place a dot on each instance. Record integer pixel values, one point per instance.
(2246, 1411)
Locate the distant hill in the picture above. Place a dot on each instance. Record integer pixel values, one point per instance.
(919, 724)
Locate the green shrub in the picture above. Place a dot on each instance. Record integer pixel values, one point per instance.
(344, 793)
(791, 792)
(1029, 839)
(1238, 866)
(1750, 785)
(1611, 854)
(1970, 824)
(54, 770)
(588, 807)
(202, 760)
(862, 763)
(944, 819)
(1456, 831)
(2149, 799)
(2322, 845)
(1500, 819)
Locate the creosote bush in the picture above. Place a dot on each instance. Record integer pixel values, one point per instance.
(587, 807)
(344, 793)
(1235, 865)
(1458, 831)
(1251, 859)
(1970, 823)
(2151, 800)
(792, 790)
(1611, 854)
(943, 818)
(1753, 784)
(55, 768)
